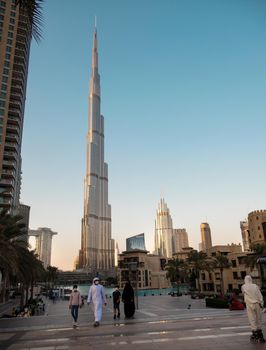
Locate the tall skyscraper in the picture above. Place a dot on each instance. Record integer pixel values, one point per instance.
(163, 231)
(43, 245)
(15, 38)
(97, 246)
(180, 239)
(206, 238)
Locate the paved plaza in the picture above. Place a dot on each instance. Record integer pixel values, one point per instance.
(160, 321)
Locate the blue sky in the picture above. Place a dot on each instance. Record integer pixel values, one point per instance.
(183, 95)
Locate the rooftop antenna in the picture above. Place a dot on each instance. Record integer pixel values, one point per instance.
(95, 22)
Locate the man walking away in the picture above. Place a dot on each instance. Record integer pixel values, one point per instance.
(74, 303)
(97, 297)
(116, 302)
(254, 302)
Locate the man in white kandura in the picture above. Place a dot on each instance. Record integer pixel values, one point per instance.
(97, 297)
(254, 302)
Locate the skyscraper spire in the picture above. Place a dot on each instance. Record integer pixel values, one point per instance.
(97, 245)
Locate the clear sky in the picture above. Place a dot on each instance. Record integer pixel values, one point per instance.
(183, 94)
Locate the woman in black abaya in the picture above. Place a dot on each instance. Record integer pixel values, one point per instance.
(128, 300)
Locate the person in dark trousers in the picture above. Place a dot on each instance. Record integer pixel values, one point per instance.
(74, 303)
(116, 302)
(128, 300)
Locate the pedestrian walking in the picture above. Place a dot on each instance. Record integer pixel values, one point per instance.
(74, 303)
(116, 302)
(128, 300)
(254, 303)
(97, 297)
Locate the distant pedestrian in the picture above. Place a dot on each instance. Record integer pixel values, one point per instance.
(128, 300)
(254, 302)
(74, 303)
(116, 302)
(97, 297)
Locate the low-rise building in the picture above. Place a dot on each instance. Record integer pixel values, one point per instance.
(144, 270)
(233, 276)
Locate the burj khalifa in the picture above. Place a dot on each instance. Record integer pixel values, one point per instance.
(97, 246)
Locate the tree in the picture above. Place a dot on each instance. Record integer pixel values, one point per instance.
(176, 271)
(33, 9)
(221, 262)
(257, 251)
(12, 244)
(198, 261)
(51, 275)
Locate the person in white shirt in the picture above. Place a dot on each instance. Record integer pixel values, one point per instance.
(254, 303)
(97, 297)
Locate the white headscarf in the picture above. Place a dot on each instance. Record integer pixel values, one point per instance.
(252, 294)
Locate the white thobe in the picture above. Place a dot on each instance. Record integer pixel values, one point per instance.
(97, 297)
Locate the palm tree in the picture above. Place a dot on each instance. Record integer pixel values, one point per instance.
(33, 9)
(12, 233)
(176, 271)
(257, 251)
(51, 275)
(199, 261)
(221, 262)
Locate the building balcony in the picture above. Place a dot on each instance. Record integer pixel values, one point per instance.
(13, 120)
(16, 87)
(12, 138)
(16, 96)
(9, 164)
(15, 111)
(11, 146)
(13, 128)
(15, 103)
(10, 155)
(8, 173)
(5, 202)
(7, 183)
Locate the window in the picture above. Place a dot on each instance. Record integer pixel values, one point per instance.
(2, 94)
(10, 35)
(2, 3)
(2, 111)
(203, 276)
(13, 14)
(5, 71)
(6, 64)
(2, 103)
(12, 21)
(258, 227)
(9, 42)
(2, 10)
(243, 274)
(1, 17)
(234, 263)
(235, 276)
(10, 27)
(4, 79)
(8, 56)
(13, 7)
(4, 87)
(1, 121)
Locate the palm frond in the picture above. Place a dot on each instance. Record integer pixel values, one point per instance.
(33, 9)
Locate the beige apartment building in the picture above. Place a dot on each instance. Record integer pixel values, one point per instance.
(145, 271)
(233, 277)
(15, 38)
